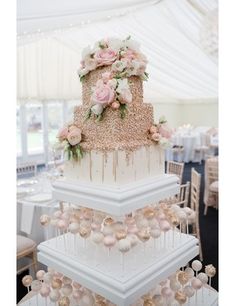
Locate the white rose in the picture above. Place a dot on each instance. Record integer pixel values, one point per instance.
(86, 52)
(122, 85)
(83, 71)
(97, 109)
(164, 142)
(112, 83)
(132, 44)
(115, 44)
(90, 64)
(119, 66)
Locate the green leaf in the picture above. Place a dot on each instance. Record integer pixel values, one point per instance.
(88, 114)
(81, 77)
(123, 110)
(101, 46)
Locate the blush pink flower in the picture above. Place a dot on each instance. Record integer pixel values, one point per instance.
(103, 94)
(129, 54)
(74, 137)
(106, 76)
(165, 131)
(63, 133)
(105, 56)
(156, 137)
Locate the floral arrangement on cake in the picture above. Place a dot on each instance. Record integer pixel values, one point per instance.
(70, 138)
(113, 90)
(161, 132)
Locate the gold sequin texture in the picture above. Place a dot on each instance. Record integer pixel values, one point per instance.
(113, 133)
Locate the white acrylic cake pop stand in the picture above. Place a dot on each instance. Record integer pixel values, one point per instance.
(107, 278)
(209, 298)
(117, 200)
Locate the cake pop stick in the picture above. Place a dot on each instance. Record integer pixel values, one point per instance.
(45, 221)
(44, 292)
(189, 291)
(97, 238)
(124, 246)
(210, 271)
(204, 279)
(197, 266)
(109, 242)
(167, 293)
(165, 227)
(85, 232)
(74, 229)
(62, 225)
(196, 284)
(155, 233)
(144, 236)
(54, 296)
(36, 287)
(27, 281)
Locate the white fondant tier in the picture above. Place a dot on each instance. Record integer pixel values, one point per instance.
(104, 274)
(116, 200)
(117, 167)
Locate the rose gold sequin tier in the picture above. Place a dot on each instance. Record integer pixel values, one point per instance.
(136, 86)
(114, 133)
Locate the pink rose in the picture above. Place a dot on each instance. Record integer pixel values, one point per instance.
(63, 133)
(74, 137)
(153, 129)
(106, 76)
(165, 131)
(105, 56)
(156, 137)
(90, 64)
(125, 96)
(103, 94)
(129, 54)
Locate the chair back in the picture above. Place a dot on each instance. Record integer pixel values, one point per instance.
(26, 169)
(195, 190)
(175, 168)
(212, 172)
(183, 196)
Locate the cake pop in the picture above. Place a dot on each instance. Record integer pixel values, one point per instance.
(174, 285)
(27, 281)
(165, 227)
(109, 242)
(167, 293)
(182, 278)
(158, 300)
(87, 300)
(57, 275)
(97, 238)
(36, 287)
(74, 229)
(108, 221)
(45, 222)
(120, 234)
(196, 284)
(189, 272)
(149, 213)
(95, 226)
(197, 266)
(180, 297)
(155, 233)
(76, 285)
(85, 232)
(107, 230)
(47, 278)
(54, 295)
(57, 214)
(132, 229)
(66, 280)
(77, 294)
(56, 283)
(203, 277)
(142, 223)
(144, 236)
(149, 302)
(124, 245)
(64, 301)
(44, 292)
(67, 290)
(40, 274)
(210, 271)
(189, 291)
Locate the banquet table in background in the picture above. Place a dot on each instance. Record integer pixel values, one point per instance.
(190, 139)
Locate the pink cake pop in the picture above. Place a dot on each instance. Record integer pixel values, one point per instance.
(95, 226)
(109, 242)
(56, 283)
(44, 292)
(132, 229)
(196, 284)
(167, 293)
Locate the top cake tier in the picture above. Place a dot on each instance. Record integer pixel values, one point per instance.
(90, 80)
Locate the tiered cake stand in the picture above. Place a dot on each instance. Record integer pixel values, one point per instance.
(121, 283)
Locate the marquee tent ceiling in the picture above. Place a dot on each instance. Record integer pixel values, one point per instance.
(53, 33)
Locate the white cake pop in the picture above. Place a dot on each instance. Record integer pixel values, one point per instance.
(57, 214)
(87, 300)
(175, 207)
(181, 215)
(54, 295)
(45, 291)
(77, 294)
(196, 265)
(175, 285)
(133, 240)
(36, 285)
(56, 283)
(40, 274)
(164, 225)
(76, 285)
(74, 227)
(97, 237)
(107, 230)
(85, 223)
(124, 245)
(203, 277)
(27, 280)
(95, 226)
(132, 229)
(67, 289)
(142, 223)
(192, 217)
(47, 277)
(155, 233)
(166, 292)
(187, 210)
(189, 291)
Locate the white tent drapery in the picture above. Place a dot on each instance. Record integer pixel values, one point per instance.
(169, 32)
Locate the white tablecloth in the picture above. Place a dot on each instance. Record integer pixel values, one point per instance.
(29, 212)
